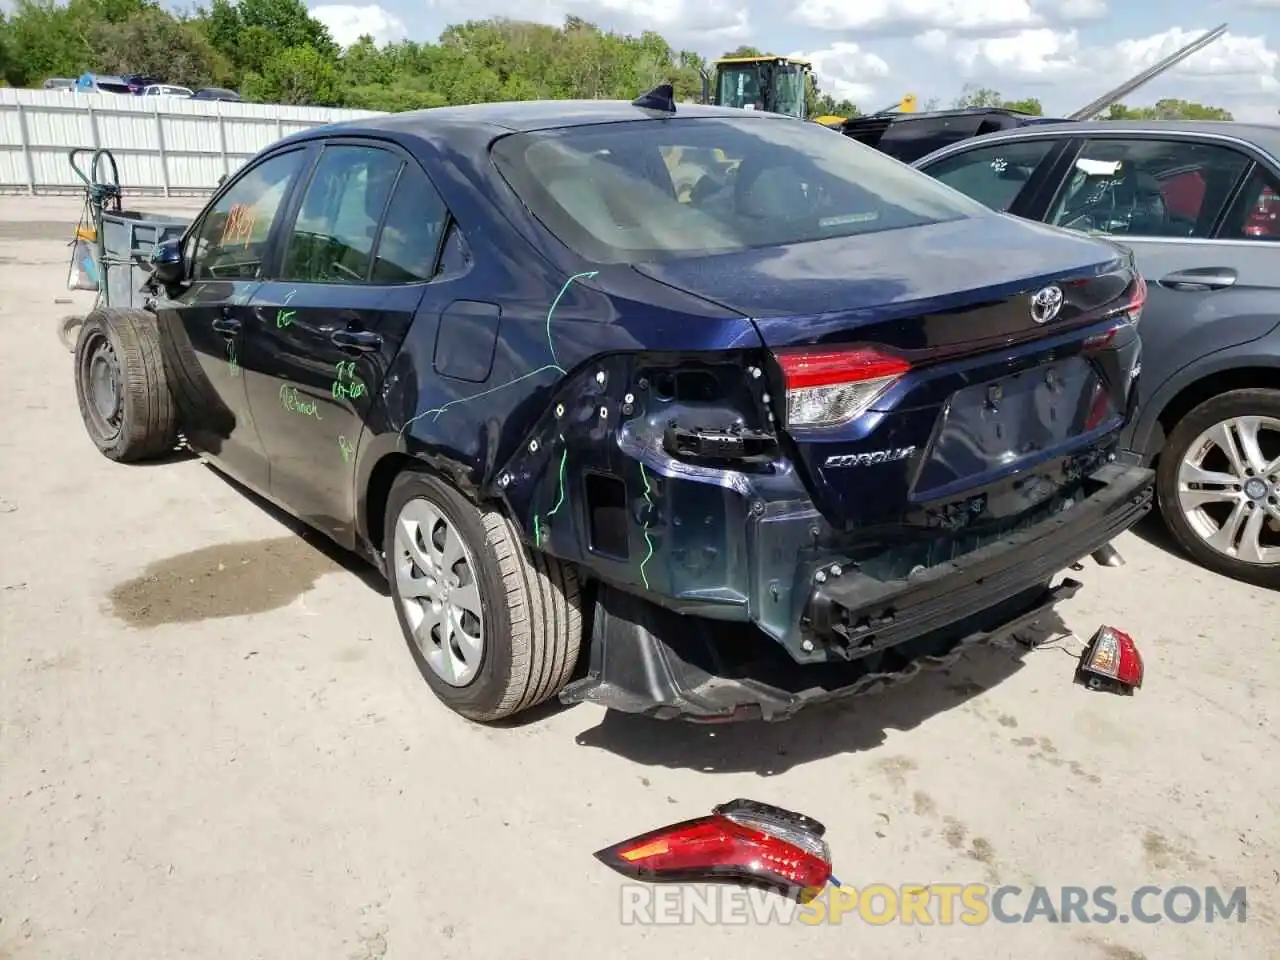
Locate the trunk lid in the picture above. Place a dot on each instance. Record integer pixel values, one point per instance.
(999, 401)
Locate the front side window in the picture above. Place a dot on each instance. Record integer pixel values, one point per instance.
(995, 175)
(607, 191)
(332, 238)
(232, 239)
(1148, 187)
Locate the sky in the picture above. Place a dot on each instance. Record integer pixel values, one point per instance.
(1065, 52)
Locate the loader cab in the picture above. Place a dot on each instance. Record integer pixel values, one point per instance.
(772, 84)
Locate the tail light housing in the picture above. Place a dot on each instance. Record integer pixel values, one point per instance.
(1128, 312)
(826, 388)
(742, 841)
(1111, 661)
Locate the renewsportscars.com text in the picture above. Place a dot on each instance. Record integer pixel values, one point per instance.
(941, 904)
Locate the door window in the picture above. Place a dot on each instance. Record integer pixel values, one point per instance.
(411, 235)
(1256, 215)
(993, 175)
(232, 240)
(332, 238)
(1148, 188)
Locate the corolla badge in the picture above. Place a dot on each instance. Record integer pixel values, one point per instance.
(1046, 303)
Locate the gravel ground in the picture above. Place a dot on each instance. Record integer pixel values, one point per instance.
(213, 742)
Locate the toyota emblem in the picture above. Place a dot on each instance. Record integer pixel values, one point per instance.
(1046, 303)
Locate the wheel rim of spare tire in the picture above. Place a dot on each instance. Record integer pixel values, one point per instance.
(101, 383)
(438, 590)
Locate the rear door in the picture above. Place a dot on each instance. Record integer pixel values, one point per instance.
(363, 247)
(203, 329)
(1182, 205)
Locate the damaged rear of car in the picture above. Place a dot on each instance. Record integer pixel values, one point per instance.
(865, 421)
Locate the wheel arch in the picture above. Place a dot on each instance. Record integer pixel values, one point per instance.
(1183, 393)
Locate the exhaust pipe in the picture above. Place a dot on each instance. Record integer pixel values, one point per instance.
(1108, 556)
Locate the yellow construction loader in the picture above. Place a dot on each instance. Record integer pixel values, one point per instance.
(773, 84)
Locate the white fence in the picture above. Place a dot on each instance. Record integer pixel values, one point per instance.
(165, 146)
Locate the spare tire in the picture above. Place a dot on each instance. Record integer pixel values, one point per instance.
(121, 387)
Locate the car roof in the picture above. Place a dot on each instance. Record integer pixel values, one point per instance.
(1263, 135)
(528, 115)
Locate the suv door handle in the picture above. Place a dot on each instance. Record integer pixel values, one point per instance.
(1201, 278)
(227, 325)
(361, 341)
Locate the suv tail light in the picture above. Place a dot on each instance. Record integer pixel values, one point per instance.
(741, 842)
(830, 387)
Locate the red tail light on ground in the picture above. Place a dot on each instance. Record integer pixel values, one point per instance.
(831, 387)
(1111, 662)
(740, 842)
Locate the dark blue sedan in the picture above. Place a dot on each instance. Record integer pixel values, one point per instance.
(774, 414)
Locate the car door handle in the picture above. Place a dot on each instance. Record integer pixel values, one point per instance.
(227, 326)
(361, 341)
(1201, 278)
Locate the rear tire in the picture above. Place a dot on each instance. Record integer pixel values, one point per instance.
(1201, 516)
(529, 621)
(121, 388)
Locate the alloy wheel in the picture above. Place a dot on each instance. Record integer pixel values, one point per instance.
(1229, 488)
(436, 583)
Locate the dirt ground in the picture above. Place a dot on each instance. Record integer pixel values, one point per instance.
(213, 742)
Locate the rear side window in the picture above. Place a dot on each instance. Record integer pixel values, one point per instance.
(645, 190)
(1256, 215)
(332, 238)
(995, 175)
(411, 235)
(1148, 187)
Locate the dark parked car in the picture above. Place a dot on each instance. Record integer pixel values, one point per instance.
(216, 93)
(788, 435)
(1199, 205)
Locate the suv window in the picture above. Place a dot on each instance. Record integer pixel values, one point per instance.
(995, 175)
(1148, 188)
(606, 190)
(411, 236)
(232, 238)
(332, 237)
(1256, 214)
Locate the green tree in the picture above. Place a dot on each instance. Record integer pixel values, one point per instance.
(1168, 109)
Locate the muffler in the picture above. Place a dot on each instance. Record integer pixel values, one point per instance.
(1108, 556)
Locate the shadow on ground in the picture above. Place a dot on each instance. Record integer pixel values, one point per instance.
(768, 749)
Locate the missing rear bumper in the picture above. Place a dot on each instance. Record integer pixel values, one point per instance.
(711, 672)
(860, 615)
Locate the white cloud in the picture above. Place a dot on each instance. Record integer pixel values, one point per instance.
(960, 16)
(681, 22)
(1233, 64)
(846, 71)
(348, 23)
(722, 20)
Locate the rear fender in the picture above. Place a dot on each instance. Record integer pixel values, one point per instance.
(617, 476)
(1145, 436)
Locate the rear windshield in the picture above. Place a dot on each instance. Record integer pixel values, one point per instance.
(113, 86)
(655, 189)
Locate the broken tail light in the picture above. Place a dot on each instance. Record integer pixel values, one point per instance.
(1111, 661)
(742, 842)
(830, 387)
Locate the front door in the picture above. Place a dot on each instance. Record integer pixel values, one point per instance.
(202, 329)
(360, 254)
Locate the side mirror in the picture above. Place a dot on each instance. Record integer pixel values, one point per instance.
(706, 86)
(166, 263)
